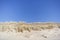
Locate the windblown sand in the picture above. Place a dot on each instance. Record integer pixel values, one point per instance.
(34, 34)
(53, 34)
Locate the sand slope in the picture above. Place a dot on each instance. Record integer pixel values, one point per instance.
(47, 34)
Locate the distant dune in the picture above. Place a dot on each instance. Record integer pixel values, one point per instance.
(23, 26)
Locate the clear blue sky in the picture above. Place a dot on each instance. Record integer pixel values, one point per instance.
(30, 10)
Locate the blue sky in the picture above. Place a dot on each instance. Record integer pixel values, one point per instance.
(30, 10)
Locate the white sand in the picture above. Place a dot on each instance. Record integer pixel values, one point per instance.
(53, 34)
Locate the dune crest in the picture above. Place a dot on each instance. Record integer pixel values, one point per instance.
(23, 26)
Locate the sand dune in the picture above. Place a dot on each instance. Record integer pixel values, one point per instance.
(29, 31)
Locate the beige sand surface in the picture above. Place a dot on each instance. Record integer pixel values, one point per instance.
(53, 34)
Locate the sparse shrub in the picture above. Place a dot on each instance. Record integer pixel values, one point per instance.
(21, 30)
(58, 26)
(3, 29)
(28, 29)
(18, 29)
(49, 27)
(42, 28)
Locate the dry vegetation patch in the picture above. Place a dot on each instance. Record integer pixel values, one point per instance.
(20, 27)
